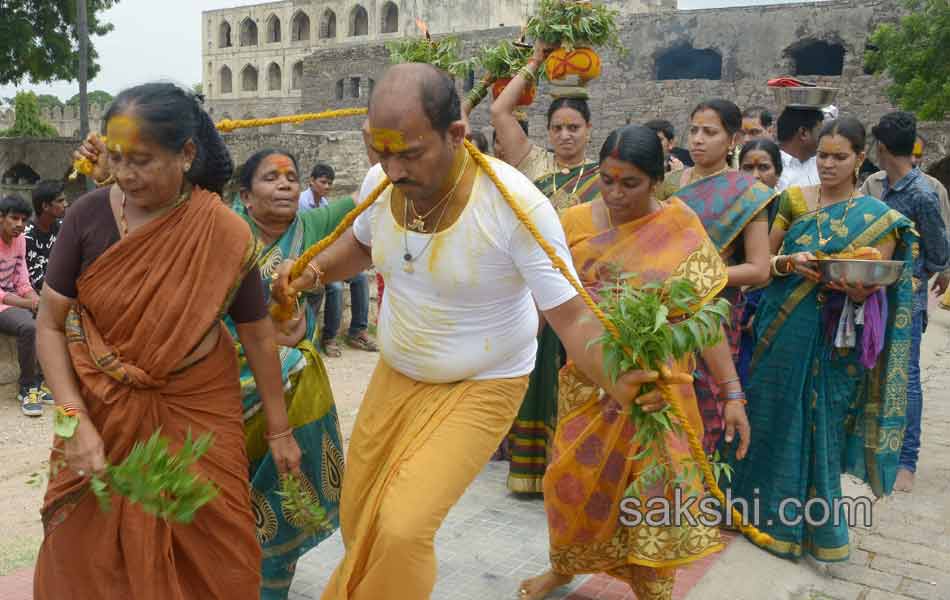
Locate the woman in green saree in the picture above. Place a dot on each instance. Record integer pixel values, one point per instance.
(826, 393)
(734, 208)
(270, 189)
(568, 178)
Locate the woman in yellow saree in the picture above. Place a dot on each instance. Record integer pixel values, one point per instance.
(627, 230)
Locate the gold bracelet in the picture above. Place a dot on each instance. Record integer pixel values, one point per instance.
(107, 181)
(775, 270)
(528, 74)
(278, 436)
(317, 275)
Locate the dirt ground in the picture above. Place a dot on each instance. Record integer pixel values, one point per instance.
(25, 442)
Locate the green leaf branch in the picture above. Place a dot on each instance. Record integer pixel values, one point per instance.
(573, 24)
(648, 340)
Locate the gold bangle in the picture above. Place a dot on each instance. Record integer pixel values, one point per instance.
(278, 436)
(775, 269)
(317, 275)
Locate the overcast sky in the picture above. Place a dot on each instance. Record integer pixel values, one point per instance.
(161, 40)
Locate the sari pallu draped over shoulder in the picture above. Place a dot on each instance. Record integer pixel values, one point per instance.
(726, 204)
(141, 308)
(815, 411)
(592, 466)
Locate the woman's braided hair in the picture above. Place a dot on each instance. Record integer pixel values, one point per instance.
(170, 116)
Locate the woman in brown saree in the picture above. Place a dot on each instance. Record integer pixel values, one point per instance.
(130, 334)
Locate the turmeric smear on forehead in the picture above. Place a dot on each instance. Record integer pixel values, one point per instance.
(387, 140)
(123, 134)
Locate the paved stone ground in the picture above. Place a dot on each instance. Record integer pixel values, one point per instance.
(492, 540)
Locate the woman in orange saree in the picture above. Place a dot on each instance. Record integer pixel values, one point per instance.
(628, 231)
(130, 332)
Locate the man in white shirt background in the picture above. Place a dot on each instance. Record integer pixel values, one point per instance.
(798, 139)
(318, 192)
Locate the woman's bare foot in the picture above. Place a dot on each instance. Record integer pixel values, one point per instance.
(904, 482)
(538, 588)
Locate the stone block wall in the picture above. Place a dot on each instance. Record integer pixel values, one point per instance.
(755, 43)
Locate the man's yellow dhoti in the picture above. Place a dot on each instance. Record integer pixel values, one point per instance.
(415, 449)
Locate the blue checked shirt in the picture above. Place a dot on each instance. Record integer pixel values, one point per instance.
(914, 197)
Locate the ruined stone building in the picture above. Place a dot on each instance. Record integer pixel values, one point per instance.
(253, 56)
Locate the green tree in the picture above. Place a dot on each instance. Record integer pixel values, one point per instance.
(39, 39)
(198, 89)
(48, 101)
(28, 122)
(96, 98)
(914, 54)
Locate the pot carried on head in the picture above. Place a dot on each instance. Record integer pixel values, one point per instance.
(585, 63)
(526, 98)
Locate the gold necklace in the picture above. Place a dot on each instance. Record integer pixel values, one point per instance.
(693, 178)
(408, 258)
(419, 221)
(837, 225)
(572, 198)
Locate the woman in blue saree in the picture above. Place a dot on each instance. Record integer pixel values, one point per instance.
(270, 189)
(828, 379)
(733, 207)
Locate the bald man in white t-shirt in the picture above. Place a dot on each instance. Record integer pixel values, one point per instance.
(465, 282)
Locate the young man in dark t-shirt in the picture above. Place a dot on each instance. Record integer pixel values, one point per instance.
(49, 204)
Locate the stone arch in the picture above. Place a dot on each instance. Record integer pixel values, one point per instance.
(817, 57)
(249, 78)
(273, 29)
(224, 35)
(227, 80)
(20, 174)
(274, 78)
(296, 76)
(685, 62)
(359, 21)
(390, 18)
(248, 32)
(340, 86)
(300, 27)
(328, 25)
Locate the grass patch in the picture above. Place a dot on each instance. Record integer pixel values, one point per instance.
(18, 554)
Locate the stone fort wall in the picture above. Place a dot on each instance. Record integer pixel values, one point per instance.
(675, 60)
(253, 57)
(65, 120)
